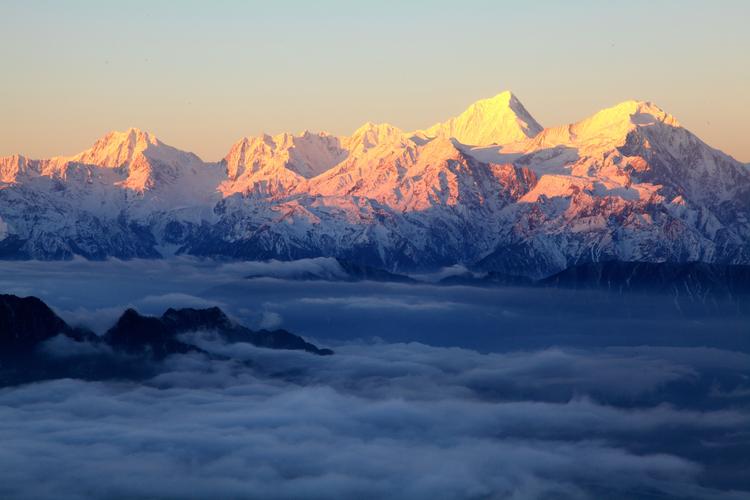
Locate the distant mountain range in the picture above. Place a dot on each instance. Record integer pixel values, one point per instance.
(490, 189)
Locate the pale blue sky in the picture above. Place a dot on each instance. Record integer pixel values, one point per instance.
(202, 74)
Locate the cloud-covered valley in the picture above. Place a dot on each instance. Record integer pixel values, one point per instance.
(433, 392)
(381, 420)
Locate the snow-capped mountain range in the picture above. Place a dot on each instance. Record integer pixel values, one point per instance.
(490, 189)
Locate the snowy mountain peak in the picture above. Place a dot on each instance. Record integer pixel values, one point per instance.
(501, 119)
(270, 165)
(11, 167)
(607, 128)
(117, 149)
(372, 134)
(377, 127)
(146, 162)
(501, 101)
(627, 183)
(628, 114)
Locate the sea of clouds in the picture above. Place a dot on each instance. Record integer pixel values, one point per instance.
(434, 392)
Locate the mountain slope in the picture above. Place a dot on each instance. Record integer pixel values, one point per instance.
(628, 183)
(103, 202)
(412, 177)
(269, 165)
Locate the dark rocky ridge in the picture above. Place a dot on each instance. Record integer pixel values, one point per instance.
(132, 348)
(27, 321)
(135, 333)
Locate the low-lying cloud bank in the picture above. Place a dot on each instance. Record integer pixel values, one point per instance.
(388, 420)
(548, 409)
(95, 294)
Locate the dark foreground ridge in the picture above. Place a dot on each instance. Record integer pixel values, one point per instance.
(27, 321)
(129, 349)
(134, 333)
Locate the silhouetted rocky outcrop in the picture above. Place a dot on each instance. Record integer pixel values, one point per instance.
(27, 321)
(189, 319)
(214, 319)
(30, 333)
(136, 334)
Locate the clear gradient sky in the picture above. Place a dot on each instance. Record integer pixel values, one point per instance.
(202, 74)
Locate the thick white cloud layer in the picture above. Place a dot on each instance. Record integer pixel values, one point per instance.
(373, 421)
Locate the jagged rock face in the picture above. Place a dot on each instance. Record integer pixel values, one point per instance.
(419, 178)
(132, 348)
(276, 165)
(490, 188)
(213, 319)
(136, 334)
(25, 322)
(183, 320)
(159, 337)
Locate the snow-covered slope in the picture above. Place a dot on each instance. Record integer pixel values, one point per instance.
(489, 189)
(269, 166)
(628, 183)
(105, 201)
(409, 177)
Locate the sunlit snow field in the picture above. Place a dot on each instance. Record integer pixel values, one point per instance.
(434, 392)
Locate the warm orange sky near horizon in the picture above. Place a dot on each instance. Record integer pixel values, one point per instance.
(200, 75)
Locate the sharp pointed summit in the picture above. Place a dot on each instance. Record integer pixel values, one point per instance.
(372, 134)
(497, 120)
(116, 149)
